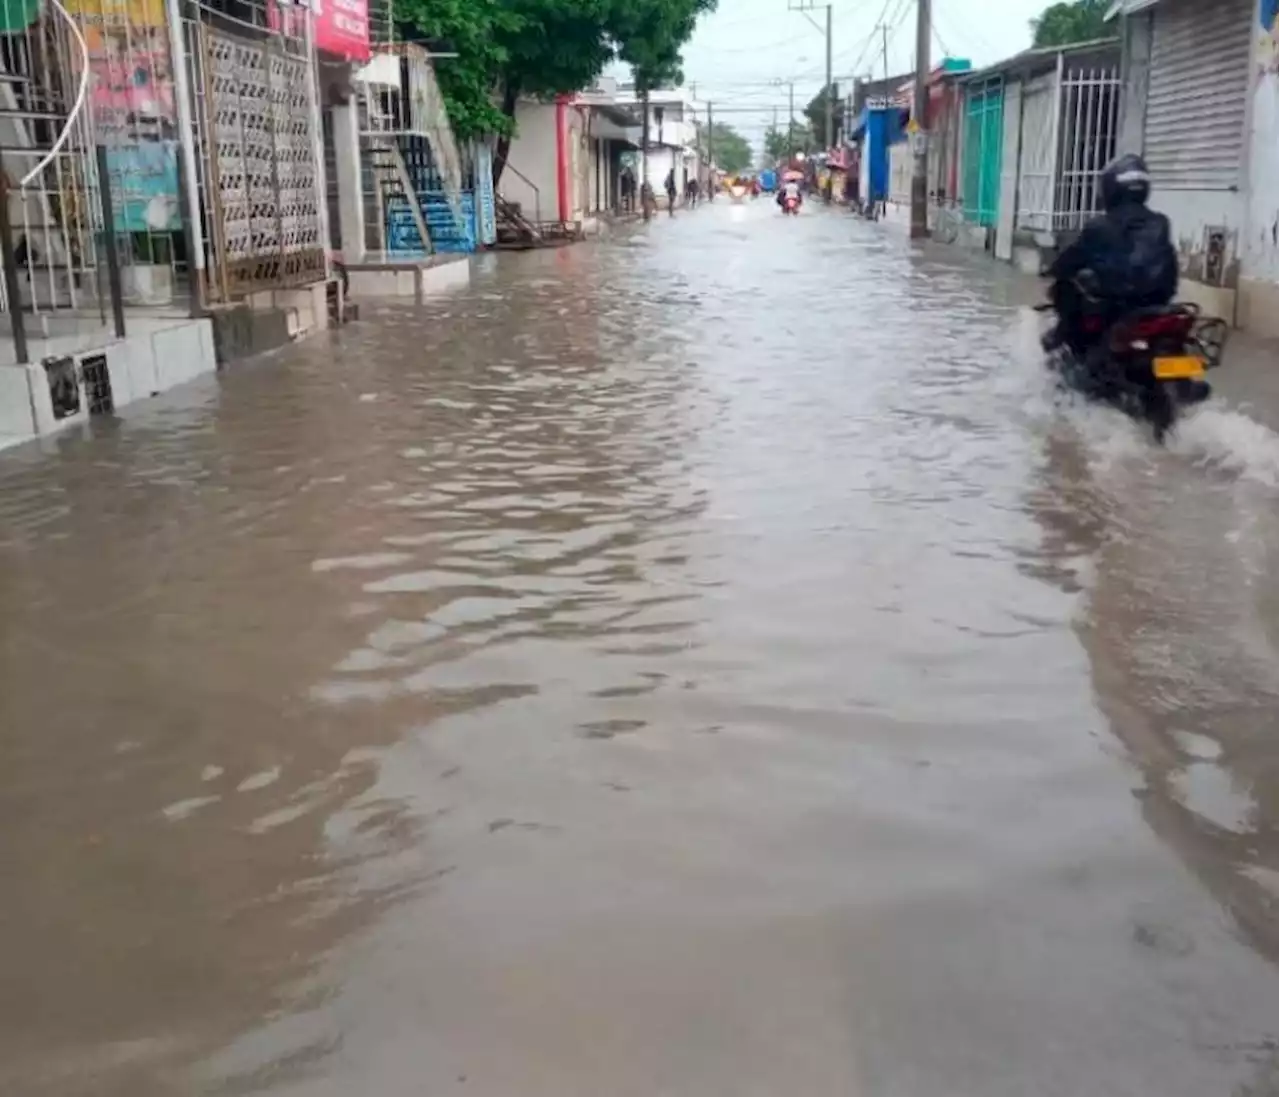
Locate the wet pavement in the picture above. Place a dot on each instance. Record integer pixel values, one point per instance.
(706, 661)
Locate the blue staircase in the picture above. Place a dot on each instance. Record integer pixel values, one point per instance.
(451, 226)
(447, 235)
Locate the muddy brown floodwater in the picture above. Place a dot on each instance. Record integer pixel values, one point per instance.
(705, 662)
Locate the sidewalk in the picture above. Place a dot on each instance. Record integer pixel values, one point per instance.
(1249, 377)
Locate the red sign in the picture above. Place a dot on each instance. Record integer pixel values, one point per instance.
(342, 27)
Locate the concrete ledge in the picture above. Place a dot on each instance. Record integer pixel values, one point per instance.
(155, 357)
(419, 279)
(241, 331)
(976, 238)
(1028, 258)
(1258, 308)
(1213, 300)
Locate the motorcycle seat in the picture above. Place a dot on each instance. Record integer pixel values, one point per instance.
(1155, 310)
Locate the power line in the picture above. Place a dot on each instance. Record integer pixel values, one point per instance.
(765, 48)
(884, 10)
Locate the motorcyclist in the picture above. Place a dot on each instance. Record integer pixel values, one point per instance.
(1125, 256)
(789, 190)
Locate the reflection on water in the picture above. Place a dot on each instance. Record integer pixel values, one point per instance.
(1179, 626)
(569, 665)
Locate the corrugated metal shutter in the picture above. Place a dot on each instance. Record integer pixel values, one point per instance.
(1197, 91)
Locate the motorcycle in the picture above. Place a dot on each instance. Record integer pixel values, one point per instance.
(1149, 364)
(790, 204)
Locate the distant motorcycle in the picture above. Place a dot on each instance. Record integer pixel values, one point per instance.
(791, 204)
(1150, 364)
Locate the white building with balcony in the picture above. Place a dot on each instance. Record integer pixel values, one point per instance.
(674, 115)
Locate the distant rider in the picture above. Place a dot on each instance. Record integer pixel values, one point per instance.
(1125, 255)
(789, 189)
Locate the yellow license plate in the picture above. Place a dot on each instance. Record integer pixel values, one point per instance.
(1175, 369)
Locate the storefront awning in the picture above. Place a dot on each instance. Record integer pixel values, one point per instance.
(610, 123)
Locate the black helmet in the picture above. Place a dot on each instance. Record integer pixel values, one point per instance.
(1125, 180)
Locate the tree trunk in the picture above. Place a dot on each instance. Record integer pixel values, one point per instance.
(510, 96)
(644, 188)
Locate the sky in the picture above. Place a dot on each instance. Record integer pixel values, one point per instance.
(744, 45)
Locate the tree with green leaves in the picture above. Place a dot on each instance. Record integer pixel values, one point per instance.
(650, 34)
(779, 145)
(816, 113)
(1070, 21)
(540, 48)
(730, 151)
(477, 31)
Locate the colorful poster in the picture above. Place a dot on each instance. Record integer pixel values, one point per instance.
(1267, 10)
(137, 13)
(132, 90)
(144, 186)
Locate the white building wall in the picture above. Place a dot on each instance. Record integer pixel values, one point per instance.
(1257, 303)
(533, 156)
(660, 160)
(672, 129)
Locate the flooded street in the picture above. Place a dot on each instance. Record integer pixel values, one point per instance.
(704, 662)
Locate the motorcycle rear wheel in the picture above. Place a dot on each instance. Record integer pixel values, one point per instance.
(1160, 406)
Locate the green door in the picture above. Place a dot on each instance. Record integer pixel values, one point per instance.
(983, 138)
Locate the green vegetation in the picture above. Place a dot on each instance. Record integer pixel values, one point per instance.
(1070, 21)
(779, 146)
(730, 151)
(512, 48)
(816, 113)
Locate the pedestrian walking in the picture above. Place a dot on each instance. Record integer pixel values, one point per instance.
(627, 186)
(671, 192)
(648, 203)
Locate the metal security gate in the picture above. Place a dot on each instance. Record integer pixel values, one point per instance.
(259, 163)
(1196, 98)
(1088, 125)
(983, 133)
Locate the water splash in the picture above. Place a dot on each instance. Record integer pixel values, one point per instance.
(1221, 438)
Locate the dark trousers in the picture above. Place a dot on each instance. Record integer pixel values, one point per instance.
(1082, 320)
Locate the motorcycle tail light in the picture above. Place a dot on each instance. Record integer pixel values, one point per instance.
(1148, 327)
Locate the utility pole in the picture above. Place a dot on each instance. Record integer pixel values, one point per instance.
(644, 188)
(711, 155)
(830, 93)
(884, 49)
(920, 132)
(804, 7)
(791, 122)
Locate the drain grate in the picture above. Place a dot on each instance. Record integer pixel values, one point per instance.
(97, 384)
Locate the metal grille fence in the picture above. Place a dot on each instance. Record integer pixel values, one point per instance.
(52, 196)
(1090, 105)
(258, 154)
(132, 107)
(408, 152)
